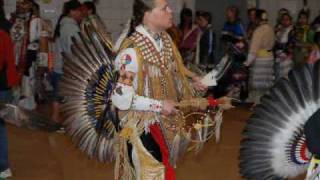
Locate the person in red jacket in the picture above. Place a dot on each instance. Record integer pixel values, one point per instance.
(8, 79)
(9, 75)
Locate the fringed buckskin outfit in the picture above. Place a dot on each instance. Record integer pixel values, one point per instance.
(151, 70)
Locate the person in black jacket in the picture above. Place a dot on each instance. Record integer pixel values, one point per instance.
(207, 43)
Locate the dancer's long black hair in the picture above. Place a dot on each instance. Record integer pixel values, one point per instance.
(140, 7)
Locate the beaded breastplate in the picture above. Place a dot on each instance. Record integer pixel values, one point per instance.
(150, 53)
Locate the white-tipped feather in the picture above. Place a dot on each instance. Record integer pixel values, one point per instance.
(280, 164)
(288, 106)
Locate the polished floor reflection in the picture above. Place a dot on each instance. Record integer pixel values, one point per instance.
(42, 156)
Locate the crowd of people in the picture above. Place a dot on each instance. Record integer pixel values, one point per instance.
(262, 53)
(31, 60)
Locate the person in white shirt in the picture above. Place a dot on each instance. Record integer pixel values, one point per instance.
(67, 27)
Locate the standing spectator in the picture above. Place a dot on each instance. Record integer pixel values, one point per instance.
(278, 23)
(190, 35)
(315, 52)
(233, 31)
(29, 67)
(234, 44)
(20, 36)
(207, 43)
(283, 49)
(261, 59)
(233, 36)
(175, 34)
(316, 23)
(252, 24)
(8, 79)
(67, 27)
(302, 39)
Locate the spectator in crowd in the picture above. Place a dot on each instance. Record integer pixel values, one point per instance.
(252, 22)
(233, 42)
(190, 34)
(315, 23)
(8, 79)
(207, 44)
(315, 51)
(278, 23)
(260, 58)
(233, 31)
(283, 48)
(175, 34)
(302, 39)
(28, 86)
(67, 27)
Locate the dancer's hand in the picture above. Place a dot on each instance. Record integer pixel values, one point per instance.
(198, 85)
(168, 107)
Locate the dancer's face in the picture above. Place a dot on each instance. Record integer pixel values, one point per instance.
(160, 17)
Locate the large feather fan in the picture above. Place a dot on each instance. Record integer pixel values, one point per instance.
(274, 145)
(88, 83)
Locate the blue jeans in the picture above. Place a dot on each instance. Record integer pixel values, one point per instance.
(55, 82)
(5, 96)
(4, 161)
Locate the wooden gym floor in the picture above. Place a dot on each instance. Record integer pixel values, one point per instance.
(38, 155)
